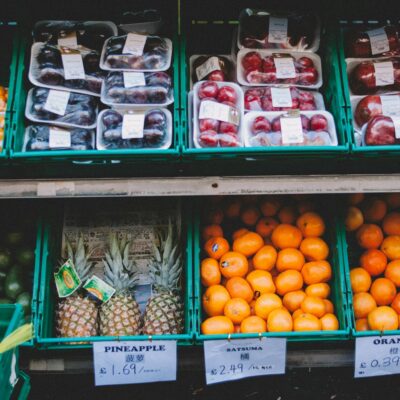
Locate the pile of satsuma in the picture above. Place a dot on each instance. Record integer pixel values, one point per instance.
(265, 268)
(374, 223)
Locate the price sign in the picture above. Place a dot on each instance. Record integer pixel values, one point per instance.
(292, 130)
(121, 363)
(377, 355)
(243, 358)
(396, 123)
(284, 67)
(134, 44)
(384, 73)
(212, 64)
(59, 138)
(57, 102)
(390, 105)
(278, 28)
(133, 79)
(72, 64)
(133, 125)
(379, 41)
(218, 111)
(281, 97)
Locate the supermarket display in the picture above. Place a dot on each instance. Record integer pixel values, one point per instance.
(212, 68)
(261, 29)
(373, 226)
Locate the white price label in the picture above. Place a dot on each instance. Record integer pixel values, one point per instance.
(281, 97)
(59, 139)
(377, 355)
(390, 105)
(132, 79)
(384, 73)
(278, 28)
(396, 122)
(243, 358)
(134, 44)
(212, 64)
(57, 102)
(220, 112)
(379, 41)
(68, 40)
(73, 66)
(292, 130)
(133, 126)
(284, 67)
(120, 363)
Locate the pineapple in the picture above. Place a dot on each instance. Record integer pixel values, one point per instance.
(164, 310)
(77, 315)
(121, 315)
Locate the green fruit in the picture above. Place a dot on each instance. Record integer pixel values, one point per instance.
(5, 301)
(13, 285)
(5, 260)
(14, 238)
(25, 256)
(25, 300)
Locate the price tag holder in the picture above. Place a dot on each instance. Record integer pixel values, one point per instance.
(379, 41)
(281, 97)
(284, 67)
(377, 355)
(212, 64)
(218, 111)
(384, 73)
(133, 126)
(278, 28)
(133, 79)
(292, 130)
(121, 363)
(57, 102)
(242, 358)
(134, 44)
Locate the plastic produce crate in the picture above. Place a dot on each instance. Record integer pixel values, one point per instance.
(364, 151)
(46, 337)
(199, 38)
(88, 157)
(338, 296)
(10, 318)
(348, 254)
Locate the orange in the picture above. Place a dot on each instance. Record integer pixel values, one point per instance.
(311, 224)
(215, 216)
(233, 264)
(214, 300)
(297, 313)
(290, 259)
(354, 219)
(217, 326)
(266, 303)
(232, 209)
(363, 304)
(383, 291)
(279, 320)
(239, 232)
(362, 324)
(253, 324)
(265, 226)
(250, 215)
(314, 249)
(316, 272)
(360, 280)
(285, 235)
(321, 290)
(374, 210)
(238, 287)
(211, 231)
(216, 247)
(209, 272)
(306, 322)
(393, 200)
(314, 306)
(391, 223)
(369, 236)
(270, 207)
(261, 282)
(237, 310)
(391, 247)
(248, 244)
(396, 303)
(392, 272)
(373, 261)
(329, 306)
(292, 300)
(288, 281)
(383, 319)
(265, 258)
(329, 322)
(355, 198)
(287, 215)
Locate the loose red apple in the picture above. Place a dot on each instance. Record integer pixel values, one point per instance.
(260, 124)
(207, 124)
(367, 108)
(208, 89)
(318, 123)
(252, 60)
(380, 131)
(227, 93)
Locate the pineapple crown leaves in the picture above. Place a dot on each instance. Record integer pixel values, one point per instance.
(119, 271)
(167, 264)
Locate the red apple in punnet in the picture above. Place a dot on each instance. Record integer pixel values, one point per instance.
(254, 76)
(228, 128)
(207, 124)
(308, 76)
(305, 62)
(227, 93)
(269, 75)
(209, 139)
(306, 97)
(228, 141)
(252, 102)
(380, 131)
(208, 89)
(261, 124)
(276, 124)
(307, 107)
(252, 60)
(217, 76)
(266, 104)
(367, 108)
(318, 123)
(362, 78)
(305, 122)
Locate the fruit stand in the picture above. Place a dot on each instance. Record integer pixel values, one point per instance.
(182, 178)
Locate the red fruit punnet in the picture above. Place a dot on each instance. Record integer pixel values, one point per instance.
(305, 62)
(252, 60)
(226, 127)
(208, 89)
(319, 123)
(207, 124)
(276, 124)
(208, 139)
(252, 102)
(217, 76)
(227, 93)
(261, 124)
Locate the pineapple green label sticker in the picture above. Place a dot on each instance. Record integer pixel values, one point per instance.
(98, 289)
(66, 279)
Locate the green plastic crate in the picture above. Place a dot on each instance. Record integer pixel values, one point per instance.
(10, 318)
(47, 294)
(339, 297)
(364, 151)
(87, 157)
(205, 31)
(346, 252)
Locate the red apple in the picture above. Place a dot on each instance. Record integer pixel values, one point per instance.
(207, 124)
(217, 76)
(362, 78)
(208, 89)
(252, 60)
(227, 93)
(260, 124)
(276, 124)
(318, 123)
(228, 141)
(268, 62)
(308, 76)
(305, 62)
(269, 75)
(305, 122)
(226, 127)
(380, 131)
(307, 107)
(367, 108)
(252, 102)
(266, 104)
